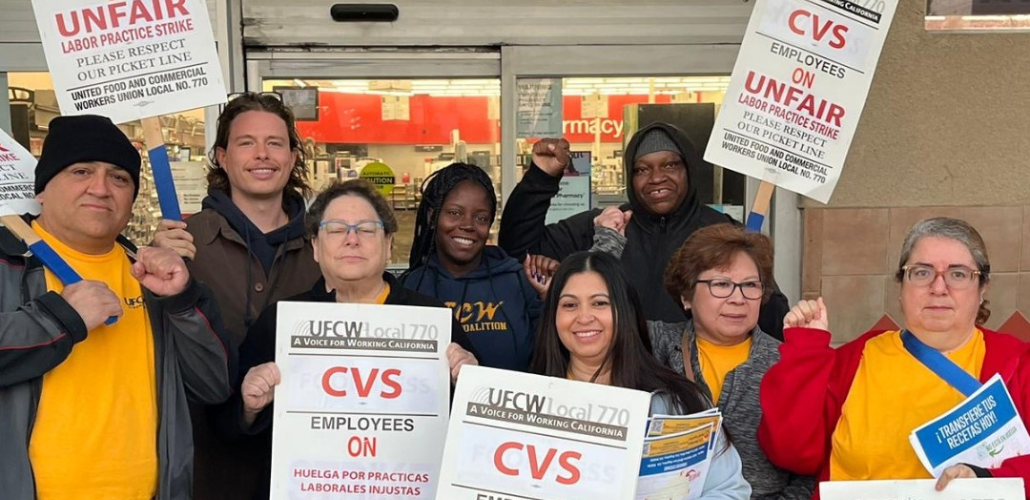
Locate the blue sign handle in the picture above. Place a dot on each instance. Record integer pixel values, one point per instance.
(164, 182)
(755, 221)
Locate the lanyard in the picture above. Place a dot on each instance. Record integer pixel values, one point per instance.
(940, 364)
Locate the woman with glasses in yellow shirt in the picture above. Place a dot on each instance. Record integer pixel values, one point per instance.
(722, 275)
(846, 413)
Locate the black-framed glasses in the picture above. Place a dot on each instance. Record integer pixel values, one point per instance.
(956, 277)
(720, 289)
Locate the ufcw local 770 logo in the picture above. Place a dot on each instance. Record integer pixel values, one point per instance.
(328, 333)
(331, 328)
(345, 334)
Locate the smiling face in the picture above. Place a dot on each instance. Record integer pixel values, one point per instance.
(257, 157)
(660, 182)
(87, 205)
(730, 320)
(937, 309)
(463, 227)
(585, 319)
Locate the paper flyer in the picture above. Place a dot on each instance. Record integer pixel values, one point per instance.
(674, 466)
(983, 430)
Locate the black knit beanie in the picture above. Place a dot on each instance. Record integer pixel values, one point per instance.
(85, 138)
(656, 140)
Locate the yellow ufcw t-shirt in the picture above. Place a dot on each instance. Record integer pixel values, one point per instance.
(95, 434)
(892, 394)
(719, 360)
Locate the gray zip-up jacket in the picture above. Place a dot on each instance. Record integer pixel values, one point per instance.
(739, 404)
(38, 330)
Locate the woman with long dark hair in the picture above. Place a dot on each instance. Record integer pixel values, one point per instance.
(592, 330)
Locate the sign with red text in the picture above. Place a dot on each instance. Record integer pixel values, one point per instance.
(516, 435)
(362, 408)
(130, 59)
(17, 178)
(798, 89)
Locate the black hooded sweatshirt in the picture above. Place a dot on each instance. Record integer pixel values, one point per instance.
(651, 240)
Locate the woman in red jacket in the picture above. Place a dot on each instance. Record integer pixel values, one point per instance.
(846, 413)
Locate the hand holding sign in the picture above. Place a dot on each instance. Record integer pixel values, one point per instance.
(458, 357)
(258, 389)
(172, 234)
(94, 302)
(954, 472)
(808, 314)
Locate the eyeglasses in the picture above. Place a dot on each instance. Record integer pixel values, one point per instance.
(260, 96)
(339, 229)
(957, 277)
(274, 95)
(720, 289)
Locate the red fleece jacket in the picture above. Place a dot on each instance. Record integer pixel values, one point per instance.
(802, 396)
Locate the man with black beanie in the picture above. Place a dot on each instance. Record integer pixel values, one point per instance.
(659, 163)
(92, 408)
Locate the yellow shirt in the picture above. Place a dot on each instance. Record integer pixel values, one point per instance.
(892, 394)
(718, 360)
(95, 434)
(381, 298)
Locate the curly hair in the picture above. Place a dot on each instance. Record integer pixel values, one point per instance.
(218, 179)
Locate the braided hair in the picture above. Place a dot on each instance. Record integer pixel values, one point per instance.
(435, 189)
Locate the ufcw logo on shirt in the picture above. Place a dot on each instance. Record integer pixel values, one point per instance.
(133, 302)
(478, 316)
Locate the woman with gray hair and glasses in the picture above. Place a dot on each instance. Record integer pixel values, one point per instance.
(351, 227)
(846, 413)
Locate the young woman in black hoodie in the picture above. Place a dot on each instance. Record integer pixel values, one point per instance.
(451, 261)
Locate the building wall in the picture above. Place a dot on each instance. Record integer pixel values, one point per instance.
(945, 132)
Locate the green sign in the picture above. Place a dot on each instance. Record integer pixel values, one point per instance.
(380, 175)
